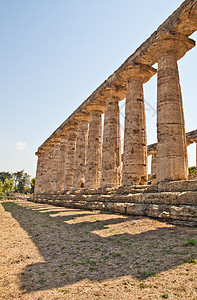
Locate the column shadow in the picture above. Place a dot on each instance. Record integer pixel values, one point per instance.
(74, 250)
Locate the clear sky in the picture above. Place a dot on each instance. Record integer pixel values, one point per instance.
(55, 53)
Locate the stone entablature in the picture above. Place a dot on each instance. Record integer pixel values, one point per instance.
(191, 137)
(181, 23)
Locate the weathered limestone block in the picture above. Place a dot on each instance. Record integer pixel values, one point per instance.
(162, 198)
(70, 158)
(55, 167)
(153, 211)
(116, 207)
(111, 151)
(81, 149)
(136, 209)
(172, 152)
(94, 150)
(135, 144)
(177, 186)
(62, 161)
(183, 212)
(188, 197)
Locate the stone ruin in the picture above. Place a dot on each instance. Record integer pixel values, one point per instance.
(80, 165)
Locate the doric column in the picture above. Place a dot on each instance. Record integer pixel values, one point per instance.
(195, 141)
(48, 168)
(55, 166)
(172, 152)
(111, 150)
(39, 170)
(45, 170)
(70, 157)
(94, 150)
(62, 160)
(135, 144)
(196, 159)
(153, 154)
(81, 149)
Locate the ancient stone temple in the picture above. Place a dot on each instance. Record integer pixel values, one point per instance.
(81, 165)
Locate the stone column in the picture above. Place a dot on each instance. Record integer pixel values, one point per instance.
(111, 151)
(196, 159)
(154, 163)
(135, 144)
(94, 150)
(55, 166)
(153, 154)
(45, 170)
(70, 158)
(48, 169)
(38, 181)
(195, 141)
(81, 149)
(172, 151)
(62, 161)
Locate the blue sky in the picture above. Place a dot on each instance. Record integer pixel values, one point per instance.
(54, 54)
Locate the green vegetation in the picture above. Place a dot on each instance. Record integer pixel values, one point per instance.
(192, 170)
(190, 242)
(17, 182)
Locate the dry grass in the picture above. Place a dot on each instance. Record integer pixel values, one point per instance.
(50, 252)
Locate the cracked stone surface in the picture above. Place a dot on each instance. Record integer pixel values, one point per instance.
(80, 159)
(94, 151)
(111, 152)
(70, 158)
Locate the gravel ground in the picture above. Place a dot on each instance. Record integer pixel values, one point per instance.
(50, 252)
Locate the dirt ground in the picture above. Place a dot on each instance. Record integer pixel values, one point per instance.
(50, 252)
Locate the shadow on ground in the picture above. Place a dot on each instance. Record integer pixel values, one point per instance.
(73, 252)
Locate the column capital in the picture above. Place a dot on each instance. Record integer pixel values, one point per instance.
(82, 117)
(193, 140)
(72, 126)
(171, 42)
(189, 141)
(39, 153)
(96, 106)
(64, 132)
(113, 91)
(152, 152)
(136, 71)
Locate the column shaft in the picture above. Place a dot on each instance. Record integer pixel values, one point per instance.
(62, 162)
(135, 145)
(38, 181)
(48, 170)
(70, 158)
(153, 164)
(94, 151)
(196, 159)
(55, 167)
(154, 167)
(172, 152)
(80, 159)
(111, 151)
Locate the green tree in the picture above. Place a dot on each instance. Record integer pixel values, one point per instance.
(22, 181)
(8, 185)
(17, 177)
(1, 186)
(32, 183)
(4, 175)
